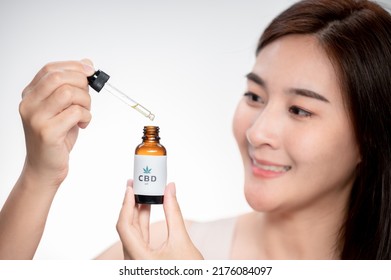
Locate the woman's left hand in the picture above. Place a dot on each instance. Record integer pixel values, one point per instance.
(133, 229)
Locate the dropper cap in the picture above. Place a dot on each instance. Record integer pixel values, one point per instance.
(98, 80)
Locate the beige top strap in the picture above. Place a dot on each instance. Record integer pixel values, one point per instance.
(213, 239)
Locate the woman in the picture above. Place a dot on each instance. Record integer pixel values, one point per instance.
(312, 129)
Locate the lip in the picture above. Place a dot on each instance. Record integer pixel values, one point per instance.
(268, 170)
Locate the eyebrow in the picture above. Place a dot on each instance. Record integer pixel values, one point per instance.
(298, 91)
(256, 79)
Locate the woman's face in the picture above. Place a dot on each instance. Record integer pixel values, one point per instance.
(294, 133)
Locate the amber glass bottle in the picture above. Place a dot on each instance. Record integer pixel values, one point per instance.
(150, 168)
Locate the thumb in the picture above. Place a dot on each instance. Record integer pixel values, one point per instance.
(175, 223)
(87, 61)
(88, 66)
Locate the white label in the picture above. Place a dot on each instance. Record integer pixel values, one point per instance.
(150, 175)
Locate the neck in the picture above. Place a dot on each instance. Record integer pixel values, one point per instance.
(301, 235)
(311, 232)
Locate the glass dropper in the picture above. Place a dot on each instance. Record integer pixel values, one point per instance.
(99, 81)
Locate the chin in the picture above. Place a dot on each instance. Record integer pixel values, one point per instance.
(260, 199)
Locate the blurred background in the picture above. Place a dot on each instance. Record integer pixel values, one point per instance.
(186, 61)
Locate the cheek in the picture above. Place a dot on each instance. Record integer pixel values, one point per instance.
(306, 147)
(309, 149)
(240, 124)
(328, 154)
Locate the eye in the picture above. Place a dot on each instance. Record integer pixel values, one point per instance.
(299, 112)
(253, 98)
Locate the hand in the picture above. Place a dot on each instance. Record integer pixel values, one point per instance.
(133, 229)
(54, 106)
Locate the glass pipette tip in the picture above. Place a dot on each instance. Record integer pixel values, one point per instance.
(99, 81)
(129, 101)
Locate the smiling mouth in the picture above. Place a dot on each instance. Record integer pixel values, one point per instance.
(271, 168)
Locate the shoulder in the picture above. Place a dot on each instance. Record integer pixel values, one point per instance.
(213, 226)
(213, 238)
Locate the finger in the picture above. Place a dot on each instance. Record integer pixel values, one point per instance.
(129, 234)
(129, 183)
(83, 125)
(128, 206)
(84, 66)
(125, 219)
(144, 212)
(87, 63)
(67, 119)
(62, 98)
(54, 80)
(175, 223)
(142, 217)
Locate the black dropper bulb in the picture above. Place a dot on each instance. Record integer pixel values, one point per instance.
(98, 80)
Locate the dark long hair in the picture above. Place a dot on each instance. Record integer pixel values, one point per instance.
(356, 35)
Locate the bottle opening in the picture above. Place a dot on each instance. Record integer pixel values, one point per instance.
(151, 133)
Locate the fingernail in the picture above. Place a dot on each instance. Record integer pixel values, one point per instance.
(88, 69)
(129, 183)
(173, 189)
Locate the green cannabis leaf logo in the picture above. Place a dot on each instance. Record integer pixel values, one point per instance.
(147, 170)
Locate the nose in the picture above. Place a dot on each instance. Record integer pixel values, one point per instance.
(266, 129)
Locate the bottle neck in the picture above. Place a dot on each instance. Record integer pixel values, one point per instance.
(151, 134)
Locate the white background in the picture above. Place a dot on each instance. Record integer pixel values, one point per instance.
(183, 60)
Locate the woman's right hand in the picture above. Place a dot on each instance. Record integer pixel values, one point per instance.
(134, 230)
(55, 105)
